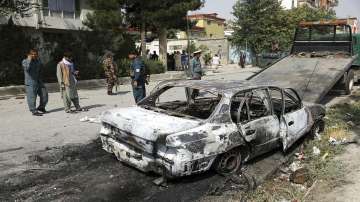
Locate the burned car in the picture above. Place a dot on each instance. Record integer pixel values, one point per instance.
(187, 127)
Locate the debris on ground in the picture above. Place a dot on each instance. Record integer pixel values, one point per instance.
(161, 181)
(19, 97)
(300, 176)
(324, 156)
(294, 166)
(239, 182)
(90, 119)
(316, 151)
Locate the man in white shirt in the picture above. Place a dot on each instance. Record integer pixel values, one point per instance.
(216, 61)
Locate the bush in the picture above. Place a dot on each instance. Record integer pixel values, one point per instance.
(151, 66)
(154, 67)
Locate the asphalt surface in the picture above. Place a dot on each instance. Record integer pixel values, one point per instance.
(57, 157)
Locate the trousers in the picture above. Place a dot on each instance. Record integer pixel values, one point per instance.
(32, 91)
(69, 96)
(139, 93)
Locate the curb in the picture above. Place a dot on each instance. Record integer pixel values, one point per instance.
(11, 91)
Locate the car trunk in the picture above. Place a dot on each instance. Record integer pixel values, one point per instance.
(141, 128)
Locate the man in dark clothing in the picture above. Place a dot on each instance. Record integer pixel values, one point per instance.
(154, 56)
(184, 60)
(138, 78)
(33, 83)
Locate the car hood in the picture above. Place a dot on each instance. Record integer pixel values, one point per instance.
(146, 124)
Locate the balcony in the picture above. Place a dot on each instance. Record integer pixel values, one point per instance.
(46, 12)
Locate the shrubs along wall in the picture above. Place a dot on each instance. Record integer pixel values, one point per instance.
(87, 48)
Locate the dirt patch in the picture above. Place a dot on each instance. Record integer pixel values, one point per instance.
(87, 173)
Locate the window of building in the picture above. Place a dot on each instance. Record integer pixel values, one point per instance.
(61, 8)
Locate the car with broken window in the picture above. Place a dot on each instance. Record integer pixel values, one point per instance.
(186, 127)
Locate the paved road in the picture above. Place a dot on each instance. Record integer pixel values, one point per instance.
(21, 133)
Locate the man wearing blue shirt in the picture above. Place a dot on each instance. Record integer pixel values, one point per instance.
(33, 83)
(137, 74)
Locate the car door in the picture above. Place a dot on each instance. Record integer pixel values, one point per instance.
(294, 119)
(256, 122)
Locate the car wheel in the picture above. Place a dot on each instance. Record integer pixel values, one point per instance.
(349, 82)
(228, 163)
(317, 129)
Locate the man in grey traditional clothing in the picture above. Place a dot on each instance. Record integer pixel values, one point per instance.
(66, 75)
(195, 66)
(33, 83)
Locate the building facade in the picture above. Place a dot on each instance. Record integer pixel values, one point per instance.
(56, 15)
(207, 26)
(324, 4)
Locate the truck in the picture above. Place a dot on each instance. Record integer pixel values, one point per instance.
(356, 64)
(323, 56)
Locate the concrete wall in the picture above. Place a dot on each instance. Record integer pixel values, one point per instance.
(216, 46)
(289, 4)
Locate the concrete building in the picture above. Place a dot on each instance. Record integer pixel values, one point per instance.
(289, 4)
(55, 15)
(53, 18)
(325, 4)
(207, 26)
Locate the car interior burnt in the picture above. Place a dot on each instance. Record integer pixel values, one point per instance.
(253, 106)
(183, 102)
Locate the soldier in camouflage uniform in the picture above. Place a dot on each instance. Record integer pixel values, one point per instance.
(110, 69)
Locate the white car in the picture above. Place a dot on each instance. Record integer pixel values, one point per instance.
(186, 127)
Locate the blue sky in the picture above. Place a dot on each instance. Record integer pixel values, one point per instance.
(346, 8)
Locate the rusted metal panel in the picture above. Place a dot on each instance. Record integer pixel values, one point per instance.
(312, 78)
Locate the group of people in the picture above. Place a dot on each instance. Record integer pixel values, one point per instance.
(67, 74)
(178, 61)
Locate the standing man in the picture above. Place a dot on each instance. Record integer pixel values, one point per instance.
(242, 59)
(33, 83)
(184, 60)
(137, 74)
(110, 69)
(66, 75)
(195, 66)
(177, 57)
(196, 74)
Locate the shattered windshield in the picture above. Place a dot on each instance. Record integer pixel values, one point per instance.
(183, 102)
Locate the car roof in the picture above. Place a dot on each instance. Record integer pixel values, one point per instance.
(220, 86)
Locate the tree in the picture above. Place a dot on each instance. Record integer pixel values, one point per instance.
(258, 23)
(170, 14)
(21, 7)
(262, 23)
(159, 16)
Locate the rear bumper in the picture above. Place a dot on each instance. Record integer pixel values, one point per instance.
(167, 162)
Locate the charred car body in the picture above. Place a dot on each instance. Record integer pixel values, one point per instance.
(187, 127)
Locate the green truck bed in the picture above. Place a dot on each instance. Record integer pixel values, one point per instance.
(357, 49)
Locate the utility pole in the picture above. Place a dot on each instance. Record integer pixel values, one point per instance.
(188, 41)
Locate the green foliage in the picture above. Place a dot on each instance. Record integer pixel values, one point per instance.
(14, 45)
(154, 67)
(258, 23)
(107, 16)
(262, 23)
(207, 58)
(191, 48)
(20, 7)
